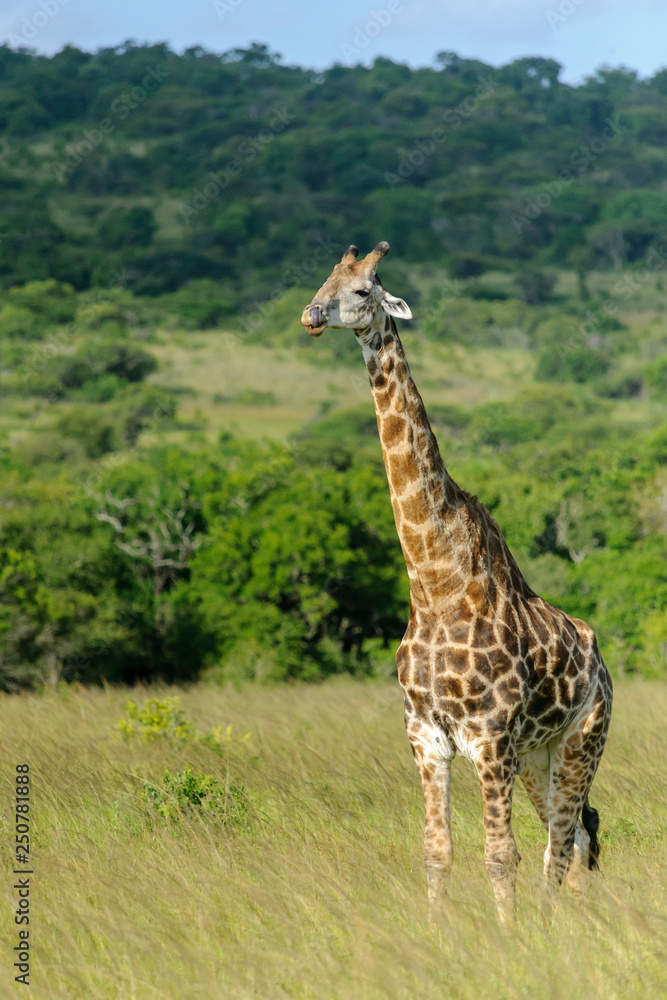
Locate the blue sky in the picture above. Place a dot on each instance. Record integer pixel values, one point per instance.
(580, 34)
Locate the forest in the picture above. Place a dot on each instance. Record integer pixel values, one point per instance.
(190, 487)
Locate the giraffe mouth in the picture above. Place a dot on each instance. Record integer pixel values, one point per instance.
(315, 321)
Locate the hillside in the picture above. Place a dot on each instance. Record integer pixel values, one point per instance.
(137, 164)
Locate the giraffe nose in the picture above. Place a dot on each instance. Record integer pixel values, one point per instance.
(316, 317)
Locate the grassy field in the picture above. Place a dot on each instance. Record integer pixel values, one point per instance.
(319, 892)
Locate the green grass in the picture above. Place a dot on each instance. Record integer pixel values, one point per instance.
(320, 893)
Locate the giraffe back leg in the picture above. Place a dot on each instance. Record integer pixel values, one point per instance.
(536, 778)
(535, 775)
(575, 760)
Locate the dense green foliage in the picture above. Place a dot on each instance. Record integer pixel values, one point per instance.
(139, 537)
(138, 165)
(280, 560)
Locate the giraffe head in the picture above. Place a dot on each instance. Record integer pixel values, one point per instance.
(352, 296)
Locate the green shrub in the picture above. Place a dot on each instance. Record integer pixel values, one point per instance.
(53, 301)
(144, 406)
(487, 292)
(185, 794)
(17, 321)
(46, 386)
(534, 286)
(97, 315)
(122, 360)
(576, 364)
(132, 227)
(655, 377)
(164, 719)
(620, 385)
(467, 265)
(157, 720)
(448, 414)
(95, 433)
(102, 389)
(255, 397)
(528, 417)
(93, 361)
(202, 304)
(48, 447)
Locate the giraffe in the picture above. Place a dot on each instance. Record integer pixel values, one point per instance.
(488, 669)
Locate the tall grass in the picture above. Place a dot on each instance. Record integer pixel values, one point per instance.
(321, 893)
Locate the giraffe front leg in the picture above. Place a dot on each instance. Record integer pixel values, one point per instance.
(437, 847)
(496, 774)
(433, 755)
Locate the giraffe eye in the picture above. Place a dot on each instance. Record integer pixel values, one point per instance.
(363, 291)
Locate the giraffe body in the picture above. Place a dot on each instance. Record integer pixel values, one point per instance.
(488, 669)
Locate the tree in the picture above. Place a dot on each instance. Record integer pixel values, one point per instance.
(534, 286)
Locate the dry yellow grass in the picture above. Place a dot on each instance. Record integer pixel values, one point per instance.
(322, 895)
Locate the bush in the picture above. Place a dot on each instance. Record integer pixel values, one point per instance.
(46, 386)
(201, 304)
(255, 397)
(144, 406)
(187, 794)
(48, 447)
(528, 417)
(487, 293)
(449, 415)
(467, 265)
(122, 360)
(102, 389)
(655, 377)
(157, 720)
(19, 322)
(95, 433)
(132, 227)
(576, 364)
(94, 361)
(534, 287)
(53, 301)
(167, 270)
(164, 719)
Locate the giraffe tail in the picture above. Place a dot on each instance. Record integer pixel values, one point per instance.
(591, 820)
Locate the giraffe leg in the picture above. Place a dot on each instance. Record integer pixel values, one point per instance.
(535, 777)
(433, 755)
(574, 763)
(496, 774)
(437, 846)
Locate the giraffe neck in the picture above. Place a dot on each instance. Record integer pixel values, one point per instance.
(437, 523)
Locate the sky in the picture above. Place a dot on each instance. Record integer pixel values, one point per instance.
(581, 34)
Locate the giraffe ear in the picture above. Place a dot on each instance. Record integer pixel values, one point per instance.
(395, 307)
